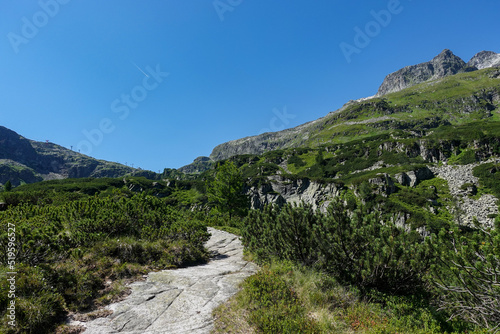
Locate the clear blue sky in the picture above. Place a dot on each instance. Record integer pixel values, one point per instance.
(71, 66)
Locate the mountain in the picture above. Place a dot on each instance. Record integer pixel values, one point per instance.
(27, 161)
(485, 59)
(443, 65)
(417, 98)
(199, 165)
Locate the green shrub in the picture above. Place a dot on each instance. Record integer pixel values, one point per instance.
(38, 305)
(281, 233)
(360, 249)
(37, 235)
(463, 158)
(274, 307)
(226, 191)
(356, 248)
(296, 160)
(467, 274)
(489, 178)
(65, 252)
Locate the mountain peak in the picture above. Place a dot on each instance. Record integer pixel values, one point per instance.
(445, 53)
(485, 59)
(444, 64)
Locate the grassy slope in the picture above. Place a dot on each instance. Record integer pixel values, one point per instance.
(285, 298)
(75, 235)
(445, 99)
(461, 109)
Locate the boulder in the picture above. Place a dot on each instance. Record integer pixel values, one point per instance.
(412, 178)
(385, 185)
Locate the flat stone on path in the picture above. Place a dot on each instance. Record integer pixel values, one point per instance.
(181, 300)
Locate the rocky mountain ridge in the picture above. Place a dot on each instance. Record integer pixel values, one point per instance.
(27, 161)
(444, 65)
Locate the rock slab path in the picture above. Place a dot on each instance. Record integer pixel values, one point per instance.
(181, 300)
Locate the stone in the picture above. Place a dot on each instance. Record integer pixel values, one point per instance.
(279, 190)
(412, 178)
(181, 300)
(385, 184)
(468, 208)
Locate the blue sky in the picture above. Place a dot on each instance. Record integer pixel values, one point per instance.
(156, 83)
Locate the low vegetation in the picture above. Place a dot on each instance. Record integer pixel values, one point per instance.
(326, 306)
(374, 262)
(76, 242)
(350, 269)
(345, 271)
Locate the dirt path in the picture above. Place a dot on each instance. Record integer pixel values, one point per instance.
(182, 300)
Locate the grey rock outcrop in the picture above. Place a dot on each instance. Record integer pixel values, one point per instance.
(385, 184)
(280, 190)
(262, 143)
(444, 64)
(182, 300)
(412, 178)
(485, 59)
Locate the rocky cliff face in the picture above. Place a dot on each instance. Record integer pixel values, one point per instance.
(444, 64)
(435, 163)
(279, 190)
(24, 160)
(485, 59)
(265, 142)
(468, 207)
